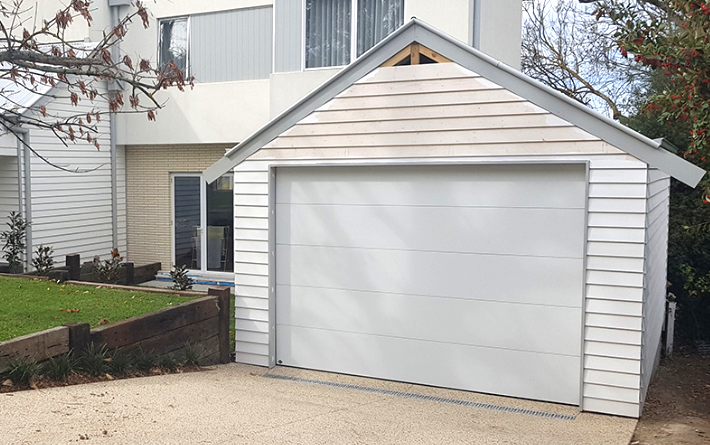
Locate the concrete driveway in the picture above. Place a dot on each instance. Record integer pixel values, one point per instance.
(239, 404)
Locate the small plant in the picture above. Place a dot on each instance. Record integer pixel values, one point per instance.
(143, 361)
(43, 260)
(169, 362)
(120, 363)
(108, 270)
(180, 278)
(190, 355)
(23, 371)
(59, 368)
(94, 359)
(15, 241)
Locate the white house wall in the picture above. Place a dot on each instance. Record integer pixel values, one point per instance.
(71, 211)
(658, 190)
(79, 29)
(262, 73)
(497, 31)
(9, 197)
(615, 277)
(434, 113)
(173, 8)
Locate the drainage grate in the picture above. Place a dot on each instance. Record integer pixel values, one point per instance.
(425, 397)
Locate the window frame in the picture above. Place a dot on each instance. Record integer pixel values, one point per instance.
(353, 36)
(189, 40)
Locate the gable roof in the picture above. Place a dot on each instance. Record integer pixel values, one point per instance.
(651, 152)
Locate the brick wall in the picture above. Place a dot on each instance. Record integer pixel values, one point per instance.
(148, 170)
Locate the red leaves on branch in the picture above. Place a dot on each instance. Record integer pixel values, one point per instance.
(142, 12)
(106, 56)
(79, 71)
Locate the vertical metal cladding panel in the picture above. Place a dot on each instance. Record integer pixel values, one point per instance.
(288, 35)
(231, 45)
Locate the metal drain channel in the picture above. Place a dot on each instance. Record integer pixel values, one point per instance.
(410, 395)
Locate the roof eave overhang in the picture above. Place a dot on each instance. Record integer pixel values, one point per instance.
(637, 145)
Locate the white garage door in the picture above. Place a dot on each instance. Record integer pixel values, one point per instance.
(466, 277)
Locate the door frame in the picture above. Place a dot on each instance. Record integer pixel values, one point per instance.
(203, 218)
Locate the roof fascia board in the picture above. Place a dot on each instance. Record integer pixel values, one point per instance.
(366, 63)
(572, 111)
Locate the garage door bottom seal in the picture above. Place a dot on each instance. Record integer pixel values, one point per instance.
(424, 397)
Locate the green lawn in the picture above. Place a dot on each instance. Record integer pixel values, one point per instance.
(28, 306)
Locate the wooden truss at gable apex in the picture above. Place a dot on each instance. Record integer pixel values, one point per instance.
(415, 54)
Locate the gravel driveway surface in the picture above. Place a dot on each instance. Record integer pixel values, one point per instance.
(240, 404)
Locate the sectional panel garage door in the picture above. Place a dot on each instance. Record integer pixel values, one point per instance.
(460, 276)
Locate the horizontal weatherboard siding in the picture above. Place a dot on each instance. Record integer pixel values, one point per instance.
(658, 187)
(384, 119)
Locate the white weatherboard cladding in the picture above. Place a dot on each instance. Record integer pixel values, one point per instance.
(72, 211)
(429, 298)
(9, 198)
(607, 251)
(655, 288)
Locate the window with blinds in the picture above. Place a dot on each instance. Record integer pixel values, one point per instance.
(336, 30)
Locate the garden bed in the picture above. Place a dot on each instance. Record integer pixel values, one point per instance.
(32, 305)
(150, 332)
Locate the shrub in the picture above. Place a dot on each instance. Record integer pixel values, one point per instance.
(94, 359)
(168, 362)
(108, 271)
(120, 363)
(190, 355)
(15, 241)
(143, 361)
(23, 371)
(59, 368)
(180, 278)
(43, 260)
(689, 262)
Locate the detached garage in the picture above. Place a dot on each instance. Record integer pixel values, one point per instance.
(453, 223)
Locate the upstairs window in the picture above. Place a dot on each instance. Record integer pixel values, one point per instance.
(337, 31)
(174, 42)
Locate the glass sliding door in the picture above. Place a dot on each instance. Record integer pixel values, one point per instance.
(220, 214)
(197, 205)
(187, 198)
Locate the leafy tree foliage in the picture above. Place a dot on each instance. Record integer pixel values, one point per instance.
(568, 49)
(670, 37)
